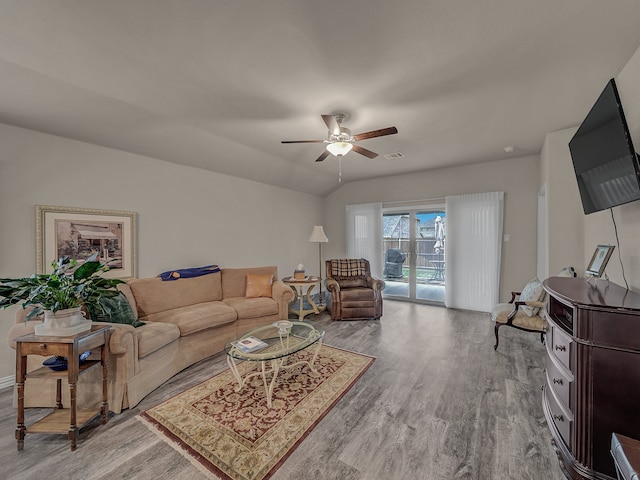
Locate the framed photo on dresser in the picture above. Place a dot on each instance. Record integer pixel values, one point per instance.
(599, 260)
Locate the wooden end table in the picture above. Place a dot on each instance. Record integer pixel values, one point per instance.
(62, 420)
(297, 285)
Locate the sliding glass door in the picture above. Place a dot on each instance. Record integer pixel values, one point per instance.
(397, 261)
(414, 254)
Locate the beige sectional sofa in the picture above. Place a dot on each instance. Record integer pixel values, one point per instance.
(186, 320)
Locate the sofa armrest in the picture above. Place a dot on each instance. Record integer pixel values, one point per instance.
(123, 362)
(280, 289)
(282, 294)
(123, 347)
(122, 338)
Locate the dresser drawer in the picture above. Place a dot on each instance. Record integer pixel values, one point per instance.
(560, 346)
(561, 418)
(559, 381)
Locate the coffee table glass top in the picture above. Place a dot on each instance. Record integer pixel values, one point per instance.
(283, 338)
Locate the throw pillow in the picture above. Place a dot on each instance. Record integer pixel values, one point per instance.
(532, 292)
(258, 285)
(115, 310)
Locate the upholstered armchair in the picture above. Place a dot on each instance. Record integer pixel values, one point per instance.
(522, 312)
(354, 293)
(525, 310)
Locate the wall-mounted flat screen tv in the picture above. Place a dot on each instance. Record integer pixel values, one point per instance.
(604, 160)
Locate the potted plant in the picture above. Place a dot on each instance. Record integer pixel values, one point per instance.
(61, 294)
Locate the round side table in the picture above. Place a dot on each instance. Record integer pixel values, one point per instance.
(297, 285)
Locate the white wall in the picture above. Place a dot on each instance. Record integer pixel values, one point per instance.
(186, 217)
(518, 178)
(599, 227)
(565, 217)
(572, 235)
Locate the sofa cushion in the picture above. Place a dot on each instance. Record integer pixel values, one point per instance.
(252, 307)
(194, 318)
(153, 295)
(258, 285)
(153, 336)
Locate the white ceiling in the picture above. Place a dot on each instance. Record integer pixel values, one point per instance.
(218, 84)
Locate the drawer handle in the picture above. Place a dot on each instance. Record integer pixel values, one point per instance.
(558, 418)
(557, 381)
(43, 346)
(561, 348)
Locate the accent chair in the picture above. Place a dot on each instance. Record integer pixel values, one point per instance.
(354, 293)
(527, 312)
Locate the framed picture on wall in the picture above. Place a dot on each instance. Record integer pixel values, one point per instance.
(80, 232)
(599, 260)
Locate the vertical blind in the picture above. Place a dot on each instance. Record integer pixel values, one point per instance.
(474, 247)
(364, 234)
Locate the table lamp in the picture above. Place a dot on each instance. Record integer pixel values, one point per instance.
(318, 236)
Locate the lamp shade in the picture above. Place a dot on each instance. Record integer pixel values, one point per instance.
(339, 148)
(317, 235)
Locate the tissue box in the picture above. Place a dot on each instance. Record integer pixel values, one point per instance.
(298, 274)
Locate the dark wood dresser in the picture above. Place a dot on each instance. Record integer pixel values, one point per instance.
(592, 386)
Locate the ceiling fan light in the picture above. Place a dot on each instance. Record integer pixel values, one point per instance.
(339, 148)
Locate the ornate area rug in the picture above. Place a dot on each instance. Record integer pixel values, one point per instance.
(234, 435)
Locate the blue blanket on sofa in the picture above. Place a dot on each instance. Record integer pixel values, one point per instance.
(189, 272)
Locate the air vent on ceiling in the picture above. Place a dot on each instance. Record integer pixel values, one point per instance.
(391, 156)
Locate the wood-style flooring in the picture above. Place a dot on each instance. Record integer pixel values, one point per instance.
(438, 404)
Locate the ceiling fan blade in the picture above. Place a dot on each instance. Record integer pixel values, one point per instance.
(302, 141)
(364, 151)
(324, 155)
(375, 133)
(332, 124)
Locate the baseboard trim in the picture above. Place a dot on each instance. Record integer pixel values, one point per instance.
(6, 382)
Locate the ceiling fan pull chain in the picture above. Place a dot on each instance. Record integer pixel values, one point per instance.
(340, 169)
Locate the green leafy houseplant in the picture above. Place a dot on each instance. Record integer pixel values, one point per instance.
(68, 286)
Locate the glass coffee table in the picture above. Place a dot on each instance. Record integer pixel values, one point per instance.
(281, 340)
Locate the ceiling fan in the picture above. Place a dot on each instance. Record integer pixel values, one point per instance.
(340, 141)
